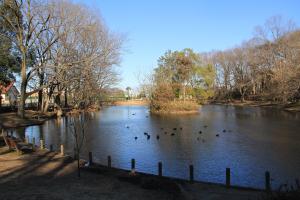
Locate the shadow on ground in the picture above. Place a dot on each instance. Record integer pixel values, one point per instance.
(47, 175)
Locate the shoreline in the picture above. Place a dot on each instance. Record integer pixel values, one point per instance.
(291, 107)
(132, 103)
(179, 112)
(10, 120)
(49, 172)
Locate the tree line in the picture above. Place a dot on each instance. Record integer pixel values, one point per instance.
(264, 68)
(62, 51)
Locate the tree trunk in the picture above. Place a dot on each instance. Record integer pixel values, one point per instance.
(46, 103)
(57, 103)
(40, 94)
(78, 164)
(21, 108)
(66, 98)
(0, 100)
(40, 100)
(183, 92)
(242, 92)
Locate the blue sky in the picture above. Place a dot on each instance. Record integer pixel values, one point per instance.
(155, 26)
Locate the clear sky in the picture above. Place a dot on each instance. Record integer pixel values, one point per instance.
(155, 26)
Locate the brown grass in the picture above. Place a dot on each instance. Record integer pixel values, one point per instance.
(132, 102)
(174, 107)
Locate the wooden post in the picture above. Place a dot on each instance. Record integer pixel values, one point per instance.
(51, 147)
(62, 152)
(228, 177)
(90, 158)
(42, 144)
(27, 140)
(268, 179)
(191, 173)
(159, 169)
(33, 143)
(109, 161)
(132, 163)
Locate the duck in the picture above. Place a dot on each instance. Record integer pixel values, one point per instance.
(135, 137)
(174, 129)
(157, 137)
(224, 130)
(172, 134)
(180, 128)
(148, 137)
(205, 126)
(200, 132)
(217, 135)
(145, 133)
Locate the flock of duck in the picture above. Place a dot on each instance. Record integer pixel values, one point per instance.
(173, 133)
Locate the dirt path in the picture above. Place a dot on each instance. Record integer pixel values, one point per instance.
(46, 175)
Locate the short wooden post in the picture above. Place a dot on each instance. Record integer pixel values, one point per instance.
(159, 169)
(42, 144)
(191, 173)
(109, 161)
(90, 158)
(62, 151)
(228, 177)
(133, 164)
(27, 139)
(268, 179)
(33, 143)
(51, 147)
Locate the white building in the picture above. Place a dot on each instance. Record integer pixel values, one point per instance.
(9, 94)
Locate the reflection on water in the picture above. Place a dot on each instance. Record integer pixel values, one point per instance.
(254, 140)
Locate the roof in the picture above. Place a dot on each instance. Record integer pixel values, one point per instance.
(5, 89)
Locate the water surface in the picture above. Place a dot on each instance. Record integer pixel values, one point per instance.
(256, 140)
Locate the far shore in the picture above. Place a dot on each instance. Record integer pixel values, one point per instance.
(11, 119)
(293, 107)
(132, 103)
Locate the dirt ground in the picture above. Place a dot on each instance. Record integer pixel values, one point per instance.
(44, 175)
(12, 120)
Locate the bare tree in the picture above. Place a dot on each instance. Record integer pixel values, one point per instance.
(77, 128)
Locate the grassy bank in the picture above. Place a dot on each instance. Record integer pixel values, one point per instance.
(47, 175)
(174, 107)
(132, 103)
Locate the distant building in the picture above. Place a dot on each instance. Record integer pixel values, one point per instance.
(9, 94)
(33, 98)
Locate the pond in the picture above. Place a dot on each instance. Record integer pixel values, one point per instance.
(251, 141)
